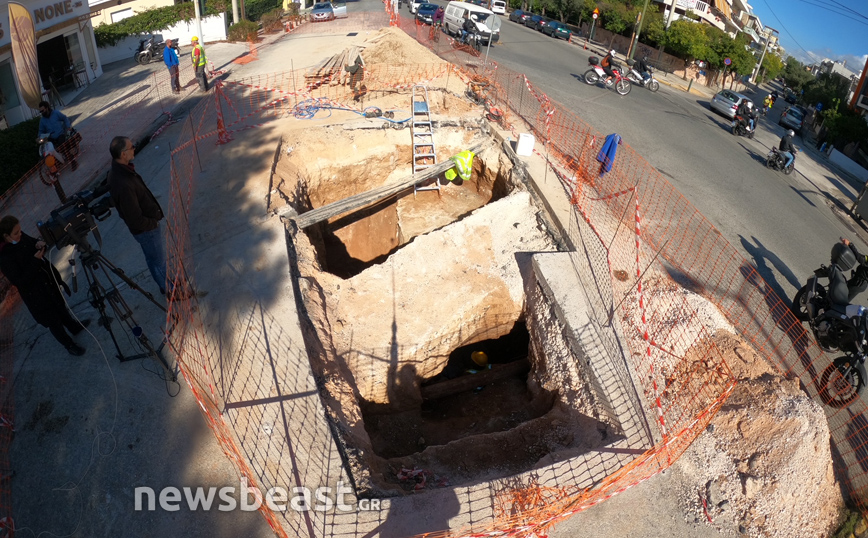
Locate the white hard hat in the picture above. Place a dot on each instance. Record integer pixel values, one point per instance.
(791, 132)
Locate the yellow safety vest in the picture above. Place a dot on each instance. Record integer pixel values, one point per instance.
(202, 58)
(463, 164)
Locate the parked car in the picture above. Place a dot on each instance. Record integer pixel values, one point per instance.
(557, 29)
(531, 21)
(414, 5)
(322, 11)
(425, 13)
(487, 23)
(726, 102)
(792, 118)
(498, 6)
(519, 16)
(541, 23)
(790, 97)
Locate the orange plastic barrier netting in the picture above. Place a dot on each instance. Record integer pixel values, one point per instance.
(629, 223)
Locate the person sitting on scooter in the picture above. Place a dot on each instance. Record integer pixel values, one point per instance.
(607, 63)
(787, 148)
(644, 69)
(468, 28)
(859, 280)
(53, 125)
(744, 112)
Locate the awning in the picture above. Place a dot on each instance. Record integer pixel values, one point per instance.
(724, 8)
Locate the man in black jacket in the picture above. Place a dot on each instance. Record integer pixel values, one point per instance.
(787, 148)
(23, 262)
(138, 207)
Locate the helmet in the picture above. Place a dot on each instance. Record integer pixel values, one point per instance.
(749, 105)
(791, 133)
(481, 359)
(194, 38)
(612, 52)
(843, 257)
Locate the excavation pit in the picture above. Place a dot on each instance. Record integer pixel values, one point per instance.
(399, 292)
(350, 243)
(468, 397)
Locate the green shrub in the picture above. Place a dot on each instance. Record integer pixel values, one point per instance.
(271, 20)
(254, 9)
(243, 31)
(152, 21)
(20, 152)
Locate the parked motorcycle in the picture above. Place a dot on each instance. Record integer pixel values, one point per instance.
(740, 128)
(150, 49)
(636, 77)
(596, 73)
(776, 160)
(835, 331)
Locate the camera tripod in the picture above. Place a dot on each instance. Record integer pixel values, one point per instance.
(93, 263)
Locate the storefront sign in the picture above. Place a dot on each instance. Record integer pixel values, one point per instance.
(49, 12)
(24, 53)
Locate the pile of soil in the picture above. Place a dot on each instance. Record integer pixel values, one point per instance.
(393, 46)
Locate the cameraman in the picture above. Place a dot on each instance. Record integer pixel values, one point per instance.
(22, 261)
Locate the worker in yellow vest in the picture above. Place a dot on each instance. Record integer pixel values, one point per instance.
(199, 61)
(463, 166)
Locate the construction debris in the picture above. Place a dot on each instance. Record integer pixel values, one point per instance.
(331, 70)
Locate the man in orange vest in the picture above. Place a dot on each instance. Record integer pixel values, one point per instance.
(199, 61)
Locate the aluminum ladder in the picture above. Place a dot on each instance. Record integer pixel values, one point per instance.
(422, 132)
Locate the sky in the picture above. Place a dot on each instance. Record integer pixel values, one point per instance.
(813, 30)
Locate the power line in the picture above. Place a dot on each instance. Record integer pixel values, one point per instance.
(831, 9)
(851, 10)
(810, 55)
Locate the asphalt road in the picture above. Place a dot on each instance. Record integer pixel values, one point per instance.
(783, 224)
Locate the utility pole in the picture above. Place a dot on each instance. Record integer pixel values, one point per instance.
(769, 31)
(197, 10)
(235, 12)
(638, 32)
(671, 11)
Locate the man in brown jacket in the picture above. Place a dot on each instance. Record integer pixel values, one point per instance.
(138, 207)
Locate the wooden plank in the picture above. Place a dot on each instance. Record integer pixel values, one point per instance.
(373, 196)
(471, 381)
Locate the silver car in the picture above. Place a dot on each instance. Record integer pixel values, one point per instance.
(726, 102)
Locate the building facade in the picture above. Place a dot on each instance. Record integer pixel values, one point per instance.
(65, 50)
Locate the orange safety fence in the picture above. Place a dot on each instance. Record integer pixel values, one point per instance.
(636, 234)
(682, 397)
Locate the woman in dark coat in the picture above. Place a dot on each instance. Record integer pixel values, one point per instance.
(22, 261)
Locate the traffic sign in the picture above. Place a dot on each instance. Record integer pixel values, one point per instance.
(596, 11)
(727, 61)
(594, 16)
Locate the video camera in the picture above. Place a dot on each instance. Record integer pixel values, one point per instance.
(70, 223)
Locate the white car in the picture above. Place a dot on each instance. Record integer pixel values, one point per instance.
(498, 6)
(414, 5)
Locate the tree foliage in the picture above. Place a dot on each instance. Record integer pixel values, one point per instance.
(654, 29)
(151, 21)
(617, 17)
(795, 75)
(20, 152)
(772, 66)
(255, 9)
(826, 88)
(687, 40)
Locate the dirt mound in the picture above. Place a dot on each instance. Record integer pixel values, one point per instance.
(394, 46)
(764, 466)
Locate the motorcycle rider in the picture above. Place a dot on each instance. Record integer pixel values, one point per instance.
(787, 148)
(859, 281)
(55, 126)
(643, 69)
(607, 63)
(468, 28)
(745, 111)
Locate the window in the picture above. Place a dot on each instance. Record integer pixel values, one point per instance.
(122, 14)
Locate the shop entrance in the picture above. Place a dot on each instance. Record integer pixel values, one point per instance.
(56, 67)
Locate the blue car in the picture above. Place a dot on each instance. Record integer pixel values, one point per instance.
(425, 13)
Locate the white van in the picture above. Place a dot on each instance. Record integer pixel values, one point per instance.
(498, 6)
(485, 19)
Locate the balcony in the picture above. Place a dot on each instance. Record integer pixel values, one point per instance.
(701, 9)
